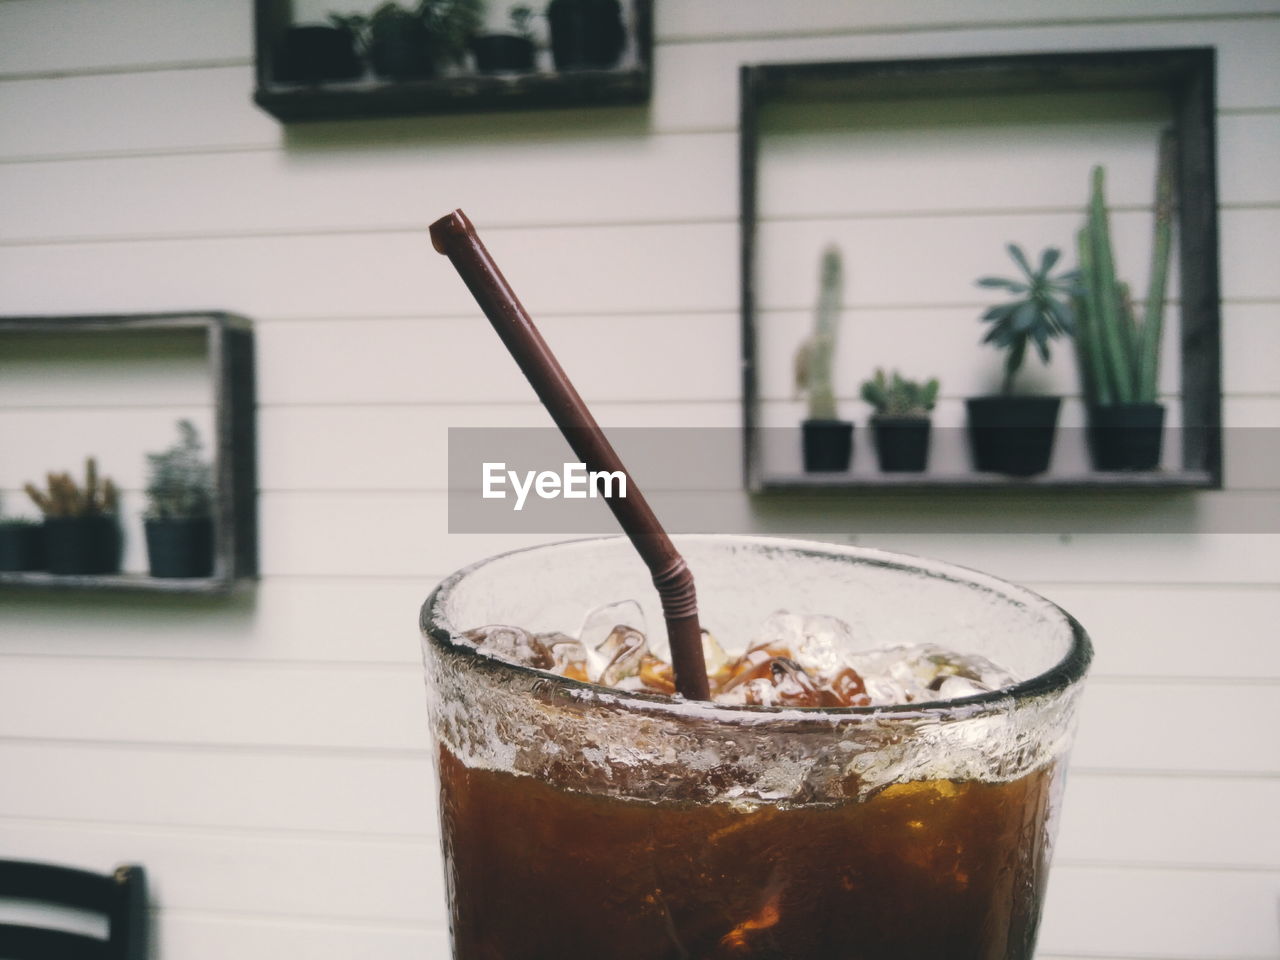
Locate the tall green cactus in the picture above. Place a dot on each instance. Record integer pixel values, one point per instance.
(1120, 356)
(817, 353)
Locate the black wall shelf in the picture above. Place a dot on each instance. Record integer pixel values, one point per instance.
(1184, 75)
(629, 84)
(229, 350)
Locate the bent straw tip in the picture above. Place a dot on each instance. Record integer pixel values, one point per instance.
(449, 227)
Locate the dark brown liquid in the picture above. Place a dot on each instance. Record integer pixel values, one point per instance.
(935, 870)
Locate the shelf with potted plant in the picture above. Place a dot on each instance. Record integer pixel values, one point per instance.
(435, 57)
(79, 542)
(1179, 86)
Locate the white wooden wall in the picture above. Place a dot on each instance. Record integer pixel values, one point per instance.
(266, 757)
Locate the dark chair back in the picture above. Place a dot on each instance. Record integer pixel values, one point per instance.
(120, 896)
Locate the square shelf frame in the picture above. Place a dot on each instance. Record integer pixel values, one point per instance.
(1185, 74)
(229, 350)
(457, 93)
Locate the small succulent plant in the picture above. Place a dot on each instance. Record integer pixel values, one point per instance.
(1041, 312)
(816, 354)
(896, 396)
(63, 497)
(180, 481)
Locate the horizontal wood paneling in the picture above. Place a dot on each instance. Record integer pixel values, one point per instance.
(616, 269)
(159, 118)
(119, 33)
(1155, 913)
(862, 161)
(459, 360)
(1179, 822)
(307, 706)
(396, 881)
(244, 790)
(326, 619)
(346, 184)
(1162, 630)
(575, 270)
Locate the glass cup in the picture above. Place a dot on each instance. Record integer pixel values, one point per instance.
(578, 821)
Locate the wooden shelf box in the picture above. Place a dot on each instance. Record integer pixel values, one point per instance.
(892, 92)
(225, 343)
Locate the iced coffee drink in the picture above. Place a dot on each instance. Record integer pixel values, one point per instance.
(877, 775)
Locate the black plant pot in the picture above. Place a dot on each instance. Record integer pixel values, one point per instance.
(1126, 436)
(1012, 435)
(21, 546)
(82, 545)
(402, 52)
(315, 54)
(902, 443)
(586, 34)
(827, 445)
(503, 53)
(180, 547)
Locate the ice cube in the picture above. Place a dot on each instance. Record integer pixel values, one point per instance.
(752, 665)
(622, 652)
(599, 624)
(714, 655)
(795, 688)
(511, 644)
(818, 643)
(568, 655)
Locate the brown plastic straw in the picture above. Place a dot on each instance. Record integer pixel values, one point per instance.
(455, 237)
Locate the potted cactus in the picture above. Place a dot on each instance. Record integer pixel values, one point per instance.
(81, 527)
(586, 34)
(507, 52)
(1120, 355)
(21, 544)
(900, 424)
(827, 441)
(179, 516)
(1011, 433)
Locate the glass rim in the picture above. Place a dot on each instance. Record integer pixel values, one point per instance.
(1060, 676)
